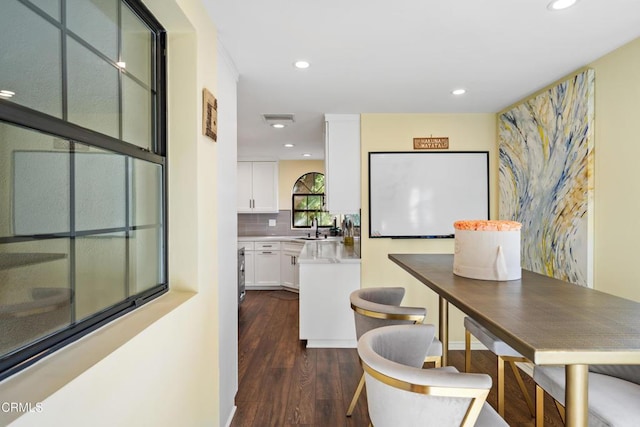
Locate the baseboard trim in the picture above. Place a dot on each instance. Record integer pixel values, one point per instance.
(231, 415)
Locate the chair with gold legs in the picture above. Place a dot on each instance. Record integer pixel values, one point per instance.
(377, 307)
(400, 393)
(504, 353)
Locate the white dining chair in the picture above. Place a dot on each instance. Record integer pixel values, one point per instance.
(400, 393)
(380, 306)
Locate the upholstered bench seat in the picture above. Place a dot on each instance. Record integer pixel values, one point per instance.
(493, 343)
(612, 401)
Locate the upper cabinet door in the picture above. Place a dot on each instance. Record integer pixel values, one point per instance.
(245, 187)
(265, 186)
(257, 187)
(342, 163)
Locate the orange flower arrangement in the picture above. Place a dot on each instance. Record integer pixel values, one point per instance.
(487, 225)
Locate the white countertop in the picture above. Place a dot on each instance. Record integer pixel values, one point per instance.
(328, 252)
(301, 239)
(321, 251)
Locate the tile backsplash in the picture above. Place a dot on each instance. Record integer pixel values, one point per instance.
(258, 225)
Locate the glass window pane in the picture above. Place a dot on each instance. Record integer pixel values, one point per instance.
(92, 90)
(136, 46)
(136, 113)
(301, 219)
(41, 192)
(100, 190)
(314, 203)
(30, 59)
(100, 272)
(35, 296)
(96, 22)
(145, 259)
(147, 193)
(51, 7)
(318, 183)
(307, 183)
(34, 181)
(300, 187)
(299, 202)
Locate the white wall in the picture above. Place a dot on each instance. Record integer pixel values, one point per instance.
(160, 365)
(227, 233)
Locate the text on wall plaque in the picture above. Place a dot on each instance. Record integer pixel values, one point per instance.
(431, 143)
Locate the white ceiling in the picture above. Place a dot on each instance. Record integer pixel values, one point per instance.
(400, 56)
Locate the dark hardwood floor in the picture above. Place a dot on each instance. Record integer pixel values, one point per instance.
(282, 383)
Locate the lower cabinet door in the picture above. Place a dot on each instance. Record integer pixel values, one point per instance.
(267, 268)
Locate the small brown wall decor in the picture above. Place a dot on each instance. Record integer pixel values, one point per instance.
(209, 115)
(431, 143)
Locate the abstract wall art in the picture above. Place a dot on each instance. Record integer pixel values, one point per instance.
(546, 177)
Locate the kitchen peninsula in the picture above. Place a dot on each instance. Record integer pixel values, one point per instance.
(329, 272)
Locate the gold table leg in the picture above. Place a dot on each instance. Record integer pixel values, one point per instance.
(444, 330)
(576, 395)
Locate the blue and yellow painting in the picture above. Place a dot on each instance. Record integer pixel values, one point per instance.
(546, 177)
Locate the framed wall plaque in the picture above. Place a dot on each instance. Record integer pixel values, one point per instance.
(209, 115)
(431, 143)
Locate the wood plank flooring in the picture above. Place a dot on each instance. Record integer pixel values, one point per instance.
(282, 383)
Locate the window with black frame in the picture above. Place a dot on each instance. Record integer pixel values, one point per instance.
(82, 170)
(308, 202)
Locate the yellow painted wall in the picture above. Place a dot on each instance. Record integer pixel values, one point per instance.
(288, 173)
(617, 183)
(617, 187)
(395, 132)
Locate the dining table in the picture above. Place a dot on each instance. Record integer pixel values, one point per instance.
(547, 320)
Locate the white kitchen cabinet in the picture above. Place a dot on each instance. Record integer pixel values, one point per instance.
(342, 163)
(267, 264)
(257, 187)
(289, 266)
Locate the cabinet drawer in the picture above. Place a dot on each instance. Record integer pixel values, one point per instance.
(267, 246)
(248, 246)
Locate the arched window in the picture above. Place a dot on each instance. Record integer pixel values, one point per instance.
(307, 201)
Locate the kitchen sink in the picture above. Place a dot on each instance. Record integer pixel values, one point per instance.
(326, 239)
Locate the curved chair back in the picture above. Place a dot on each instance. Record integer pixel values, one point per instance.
(377, 307)
(400, 393)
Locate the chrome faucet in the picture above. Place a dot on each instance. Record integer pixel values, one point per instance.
(314, 222)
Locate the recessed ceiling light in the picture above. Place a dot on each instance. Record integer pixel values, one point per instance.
(561, 4)
(306, 155)
(301, 64)
(289, 145)
(6, 93)
(277, 125)
(459, 91)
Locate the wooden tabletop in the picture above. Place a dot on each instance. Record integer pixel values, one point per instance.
(548, 321)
